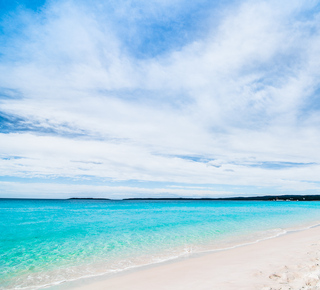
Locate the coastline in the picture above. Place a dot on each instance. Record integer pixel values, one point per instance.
(288, 261)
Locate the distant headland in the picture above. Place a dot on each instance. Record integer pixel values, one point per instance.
(262, 198)
(239, 198)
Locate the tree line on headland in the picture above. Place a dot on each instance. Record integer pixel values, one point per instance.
(262, 198)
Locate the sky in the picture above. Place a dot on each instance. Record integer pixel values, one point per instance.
(158, 98)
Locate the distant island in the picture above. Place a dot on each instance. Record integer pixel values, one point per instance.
(262, 198)
(86, 198)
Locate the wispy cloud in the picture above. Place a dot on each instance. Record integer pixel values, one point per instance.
(163, 91)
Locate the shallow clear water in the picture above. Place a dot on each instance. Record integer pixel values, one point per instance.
(43, 242)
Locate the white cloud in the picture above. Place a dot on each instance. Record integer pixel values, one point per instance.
(54, 190)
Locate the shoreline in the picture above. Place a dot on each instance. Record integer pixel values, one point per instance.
(152, 234)
(270, 262)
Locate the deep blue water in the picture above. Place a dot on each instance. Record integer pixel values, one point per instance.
(43, 242)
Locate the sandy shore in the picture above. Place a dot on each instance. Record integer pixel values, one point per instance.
(290, 261)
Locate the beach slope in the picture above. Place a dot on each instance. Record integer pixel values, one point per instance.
(290, 261)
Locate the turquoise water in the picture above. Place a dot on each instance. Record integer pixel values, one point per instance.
(44, 242)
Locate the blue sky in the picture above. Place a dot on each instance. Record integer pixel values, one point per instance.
(159, 98)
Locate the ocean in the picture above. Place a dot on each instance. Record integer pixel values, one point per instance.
(47, 242)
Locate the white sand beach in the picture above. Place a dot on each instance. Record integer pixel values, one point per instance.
(290, 261)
